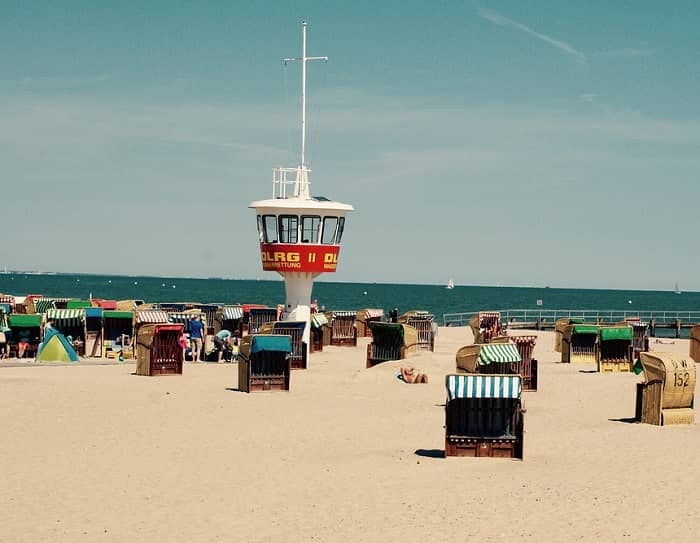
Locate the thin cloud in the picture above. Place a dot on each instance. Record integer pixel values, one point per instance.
(500, 20)
(588, 97)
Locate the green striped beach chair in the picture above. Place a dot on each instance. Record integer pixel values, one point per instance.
(484, 416)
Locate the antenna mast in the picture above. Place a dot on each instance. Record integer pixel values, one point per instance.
(302, 188)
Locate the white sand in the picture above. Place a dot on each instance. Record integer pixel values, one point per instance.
(94, 453)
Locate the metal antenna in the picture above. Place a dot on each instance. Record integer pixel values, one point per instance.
(303, 60)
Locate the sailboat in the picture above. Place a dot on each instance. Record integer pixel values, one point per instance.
(677, 291)
(450, 284)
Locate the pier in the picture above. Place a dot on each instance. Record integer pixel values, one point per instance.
(544, 319)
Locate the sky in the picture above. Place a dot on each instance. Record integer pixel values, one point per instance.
(505, 142)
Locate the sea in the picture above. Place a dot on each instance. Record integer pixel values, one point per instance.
(437, 299)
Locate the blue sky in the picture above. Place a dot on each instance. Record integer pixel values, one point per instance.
(496, 142)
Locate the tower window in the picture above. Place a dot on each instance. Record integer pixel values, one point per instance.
(289, 228)
(310, 227)
(329, 227)
(270, 228)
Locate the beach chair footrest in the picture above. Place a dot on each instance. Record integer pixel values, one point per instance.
(506, 447)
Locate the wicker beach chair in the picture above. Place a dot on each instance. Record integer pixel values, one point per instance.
(559, 328)
(93, 332)
(579, 344)
(485, 325)
(70, 322)
(667, 395)
(229, 317)
(257, 316)
(484, 416)
(424, 323)
(640, 338)
(25, 328)
(695, 343)
(295, 330)
(615, 349)
(528, 368)
(319, 326)
(489, 358)
(263, 363)
(364, 317)
(158, 351)
(117, 332)
(343, 329)
(388, 343)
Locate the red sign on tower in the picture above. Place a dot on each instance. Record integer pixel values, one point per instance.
(282, 257)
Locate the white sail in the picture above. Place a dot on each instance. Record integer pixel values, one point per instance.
(450, 284)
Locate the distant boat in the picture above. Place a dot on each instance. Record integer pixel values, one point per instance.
(677, 291)
(450, 284)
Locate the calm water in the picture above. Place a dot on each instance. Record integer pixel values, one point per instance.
(434, 298)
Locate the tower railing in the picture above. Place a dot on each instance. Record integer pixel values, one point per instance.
(290, 182)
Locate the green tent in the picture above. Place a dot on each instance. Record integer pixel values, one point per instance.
(55, 348)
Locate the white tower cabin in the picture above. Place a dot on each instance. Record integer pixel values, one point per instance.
(299, 234)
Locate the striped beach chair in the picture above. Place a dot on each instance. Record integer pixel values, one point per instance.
(485, 325)
(615, 349)
(319, 326)
(70, 322)
(484, 416)
(528, 368)
(424, 323)
(157, 349)
(487, 358)
(343, 329)
(230, 317)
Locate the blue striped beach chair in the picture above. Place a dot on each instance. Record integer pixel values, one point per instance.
(484, 416)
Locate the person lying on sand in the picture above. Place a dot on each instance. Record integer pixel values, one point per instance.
(412, 376)
(664, 341)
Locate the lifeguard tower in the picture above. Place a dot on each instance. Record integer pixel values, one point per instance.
(299, 234)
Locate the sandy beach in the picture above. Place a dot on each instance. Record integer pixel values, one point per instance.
(95, 453)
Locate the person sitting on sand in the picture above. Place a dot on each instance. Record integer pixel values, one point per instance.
(412, 376)
(23, 341)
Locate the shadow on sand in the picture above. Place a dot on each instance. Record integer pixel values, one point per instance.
(430, 453)
(627, 420)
